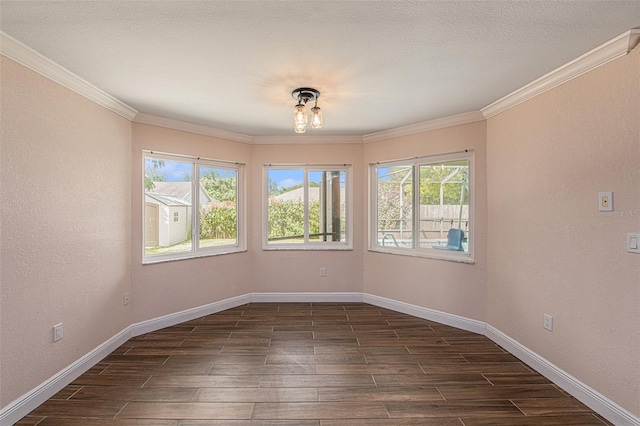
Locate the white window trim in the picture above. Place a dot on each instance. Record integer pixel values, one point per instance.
(417, 251)
(241, 234)
(307, 245)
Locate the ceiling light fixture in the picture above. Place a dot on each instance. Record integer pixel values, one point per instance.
(304, 95)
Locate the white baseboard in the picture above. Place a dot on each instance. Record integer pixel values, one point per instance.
(593, 399)
(32, 399)
(426, 313)
(307, 297)
(187, 315)
(583, 393)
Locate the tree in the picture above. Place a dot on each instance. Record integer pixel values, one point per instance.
(432, 176)
(395, 197)
(219, 187)
(153, 173)
(272, 187)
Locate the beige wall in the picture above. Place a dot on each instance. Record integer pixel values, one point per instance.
(451, 287)
(299, 271)
(71, 222)
(169, 287)
(65, 223)
(550, 249)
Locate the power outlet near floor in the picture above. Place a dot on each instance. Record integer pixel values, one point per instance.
(323, 272)
(548, 322)
(57, 332)
(605, 201)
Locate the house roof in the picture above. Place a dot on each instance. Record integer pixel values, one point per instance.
(180, 190)
(167, 199)
(298, 194)
(175, 189)
(379, 65)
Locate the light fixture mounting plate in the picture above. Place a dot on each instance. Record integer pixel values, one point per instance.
(305, 94)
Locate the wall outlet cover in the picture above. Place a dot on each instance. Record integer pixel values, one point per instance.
(548, 322)
(57, 332)
(633, 243)
(605, 201)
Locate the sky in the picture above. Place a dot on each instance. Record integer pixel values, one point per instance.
(174, 171)
(286, 178)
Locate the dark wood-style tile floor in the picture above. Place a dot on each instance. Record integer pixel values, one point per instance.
(304, 364)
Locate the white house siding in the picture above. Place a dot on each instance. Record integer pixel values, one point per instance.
(170, 232)
(163, 225)
(177, 232)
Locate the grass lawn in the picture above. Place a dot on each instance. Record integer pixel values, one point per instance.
(186, 246)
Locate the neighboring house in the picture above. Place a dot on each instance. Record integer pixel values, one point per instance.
(181, 190)
(298, 194)
(168, 213)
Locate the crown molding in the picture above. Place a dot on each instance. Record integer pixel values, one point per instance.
(185, 126)
(438, 123)
(24, 55)
(607, 52)
(305, 140)
(594, 58)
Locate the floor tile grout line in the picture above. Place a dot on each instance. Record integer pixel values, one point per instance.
(463, 357)
(516, 405)
(78, 390)
(145, 382)
(104, 369)
(253, 408)
(120, 411)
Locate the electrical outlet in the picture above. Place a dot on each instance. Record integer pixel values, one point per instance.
(548, 322)
(323, 272)
(126, 298)
(605, 201)
(57, 332)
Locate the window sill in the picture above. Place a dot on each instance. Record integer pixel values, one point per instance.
(152, 261)
(440, 255)
(307, 248)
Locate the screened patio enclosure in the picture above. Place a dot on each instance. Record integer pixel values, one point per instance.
(442, 202)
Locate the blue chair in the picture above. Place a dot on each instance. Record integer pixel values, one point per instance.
(455, 237)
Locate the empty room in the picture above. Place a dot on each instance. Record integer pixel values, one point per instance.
(326, 213)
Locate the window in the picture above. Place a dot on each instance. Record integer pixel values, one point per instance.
(192, 207)
(422, 207)
(307, 207)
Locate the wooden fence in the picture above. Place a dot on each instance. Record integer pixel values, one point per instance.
(435, 222)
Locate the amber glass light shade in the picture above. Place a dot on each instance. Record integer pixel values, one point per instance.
(316, 117)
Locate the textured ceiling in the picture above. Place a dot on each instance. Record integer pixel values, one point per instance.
(380, 65)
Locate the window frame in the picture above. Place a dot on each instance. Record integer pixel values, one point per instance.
(309, 245)
(195, 252)
(415, 249)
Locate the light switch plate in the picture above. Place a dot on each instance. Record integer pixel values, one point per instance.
(605, 201)
(633, 243)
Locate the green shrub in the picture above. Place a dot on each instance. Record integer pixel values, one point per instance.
(219, 223)
(286, 218)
